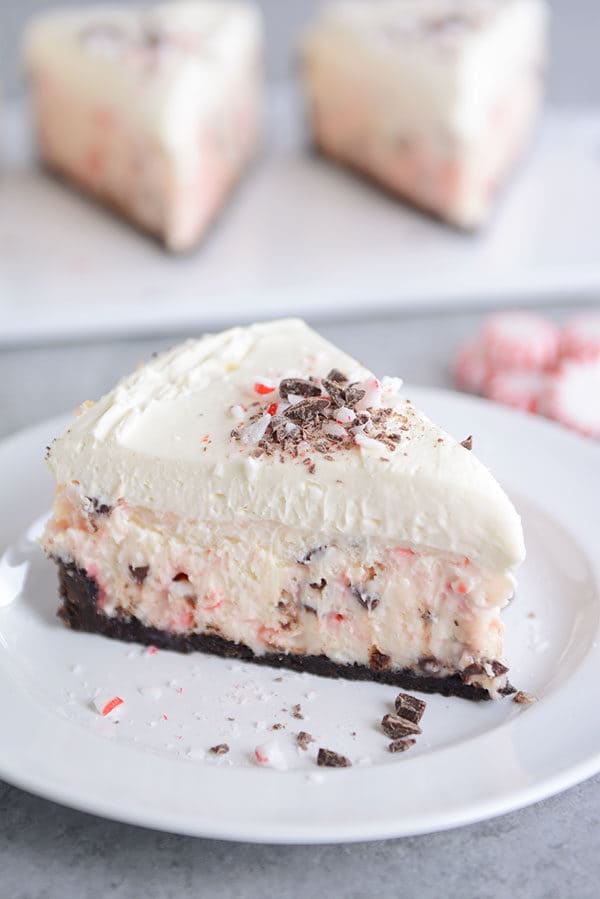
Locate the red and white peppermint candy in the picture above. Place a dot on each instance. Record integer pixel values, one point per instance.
(269, 755)
(520, 389)
(520, 341)
(108, 705)
(471, 368)
(580, 337)
(573, 396)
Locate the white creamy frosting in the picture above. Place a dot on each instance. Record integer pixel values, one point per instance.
(202, 48)
(442, 63)
(162, 439)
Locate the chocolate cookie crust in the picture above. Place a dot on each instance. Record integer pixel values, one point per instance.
(80, 612)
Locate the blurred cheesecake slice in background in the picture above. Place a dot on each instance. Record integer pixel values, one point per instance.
(435, 99)
(155, 110)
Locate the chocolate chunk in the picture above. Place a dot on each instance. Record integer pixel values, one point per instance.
(98, 507)
(335, 375)
(299, 387)
(219, 749)
(467, 442)
(354, 395)
(498, 668)
(337, 393)
(320, 585)
(367, 599)
(523, 698)
(409, 707)
(327, 758)
(311, 554)
(140, 573)
(396, 727)
(297, 711)
(401, 745)
(308, 410)
(430, 665)
(378, 661)
(473, 669)
(303, 739)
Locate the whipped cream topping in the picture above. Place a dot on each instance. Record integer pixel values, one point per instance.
(169, 438)
(161, 67)
(443, 63)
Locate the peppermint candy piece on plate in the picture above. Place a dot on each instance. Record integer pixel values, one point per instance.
(520, 341)
(471, 368)
(573, 397)
(580, 337)
(520, 389)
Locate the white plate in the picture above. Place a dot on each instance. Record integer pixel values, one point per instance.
(472, 761)
(300, 237)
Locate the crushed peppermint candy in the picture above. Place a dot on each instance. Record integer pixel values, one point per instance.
(269, 755)
(323, 415)
(108, 706)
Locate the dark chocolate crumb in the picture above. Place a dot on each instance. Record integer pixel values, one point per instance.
(100, 508)
(219, 749)
(320, 585)
(181, 576)
(310, 609)
(140, 573)
(327, 758)
(297, 711)
(409, 707)
(366, 598)
(396, 727)
(303, 739)
(523, 698)
(378, 661)
(335, 375)
(467, 442)
(312, 552)
(401, 745)
(277, 726)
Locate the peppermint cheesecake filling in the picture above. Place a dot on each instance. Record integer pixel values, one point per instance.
(275, 589)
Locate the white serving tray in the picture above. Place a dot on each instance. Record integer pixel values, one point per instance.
(300, 237)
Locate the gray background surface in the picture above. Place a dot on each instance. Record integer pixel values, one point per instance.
(549, 851)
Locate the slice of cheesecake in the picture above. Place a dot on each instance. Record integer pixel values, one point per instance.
(258, 493)
(435, 99)
(153, 109)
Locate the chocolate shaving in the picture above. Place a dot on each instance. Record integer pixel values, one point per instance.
(336, 375)
(309, 555)
(307, 410)
(354, 395)
(396, 727)
(409, 707)
(219, 749)
(297, 712)
(401, 745)
(367, 599)
(140, 573)
(310, 609)
(298, 387)
(98, 507)
(303, 739)
(337, 393)
(327, 758)
(378, 661)
(467, 442)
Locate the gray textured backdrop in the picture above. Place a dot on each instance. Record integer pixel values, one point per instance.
(574, 74)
